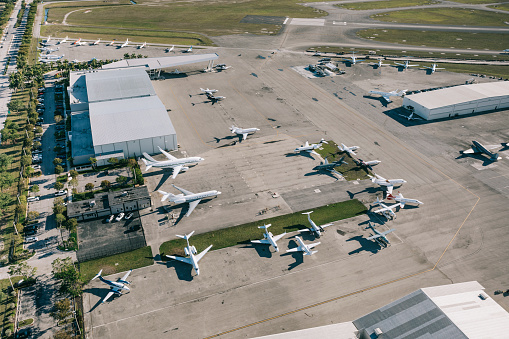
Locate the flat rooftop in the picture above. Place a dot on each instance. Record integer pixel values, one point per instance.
(131, 194)
(81, 134)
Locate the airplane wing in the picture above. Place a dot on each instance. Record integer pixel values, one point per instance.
(126, 275)
(389, 189)
(182, 259)
(381, 234)
(326, 225)
(199, 256)
(306, 230)
(313, 245)
(381, 210)
(110, 293)
(296, 249)
(192, 206)
(263, 241)
(277, 237)
(176, 171)
(469, 151)
(168, 155)
(313, 152)
(244, 136)
(386, 98)
(186, 192)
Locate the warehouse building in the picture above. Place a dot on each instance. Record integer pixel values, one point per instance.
(459, 100)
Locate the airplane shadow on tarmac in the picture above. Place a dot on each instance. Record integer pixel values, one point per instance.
(297, 256)
(101, 293)
(327, 173)
(480, 157)
(263, 250)
(184, 271)
(303, 154)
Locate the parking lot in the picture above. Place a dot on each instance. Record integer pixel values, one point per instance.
(457, 235)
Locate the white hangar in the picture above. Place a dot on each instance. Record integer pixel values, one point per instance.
(459, 100)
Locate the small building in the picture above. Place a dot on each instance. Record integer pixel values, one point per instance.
(459, 100)
(104, 204)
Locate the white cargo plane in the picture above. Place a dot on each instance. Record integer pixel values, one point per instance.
(243, 131)
(63, 40)
(143, 45)
(169, 50)
(386, 211)
(387, 95)
(190, 251)
(208, 91)
(269, 238)
(367, 164)
(303, 247)
(189, 50)
(125, 44)
(188, 197)
(96, 42)
(402, 200)
(350, 149)
(310, 148)
(111, 43)
(433, 68)
(314, 228)
(379, 237)
(389, 183)
(405, 65)
(175, 163)
(478, 148)
(116, 286)
(353, 60)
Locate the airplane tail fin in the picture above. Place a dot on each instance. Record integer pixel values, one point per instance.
(390, 196)
(148, 166)
(322, 141)
(148, 157)
(186, 236)
(341, 161)
(308, 213)
(166, 195)
(494, 157)
(265, 226)
(97, 275)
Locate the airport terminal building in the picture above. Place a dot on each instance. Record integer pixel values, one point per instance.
(459, 100)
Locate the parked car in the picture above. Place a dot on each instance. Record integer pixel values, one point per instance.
(36, 167)
(110, 218)
(129, 216)
(36, 151)
(32, 199)
(120, 216)
(60, 193)
(30, 232)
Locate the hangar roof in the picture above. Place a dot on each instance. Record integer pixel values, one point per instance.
(162, 62)
(129, 119)
(460, 94)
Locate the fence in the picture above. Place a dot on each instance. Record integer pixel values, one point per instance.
(112, 249)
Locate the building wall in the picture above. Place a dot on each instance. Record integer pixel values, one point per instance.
(135, 148)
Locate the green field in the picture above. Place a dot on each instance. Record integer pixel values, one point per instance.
(504, 7)
(444, 16)
(117, 263)
(242, 234)
(350, 171)
(479, 41)
(207, 18)
(480, 1)
(5, 300)
(359, 6)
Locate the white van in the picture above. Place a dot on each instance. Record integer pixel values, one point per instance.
(32, 199)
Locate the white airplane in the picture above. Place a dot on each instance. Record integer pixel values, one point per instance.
(79, 42)
(379, 63)
(350, 149)
(46, 49)
(310, 148)
(478, 148)
(63, 40)
(208, 91)
(125, 43)
(303, 247)
(192, 198)
(353, 60)
(433, 68)
(51, 50)
(243, 131)
(379, 237)
(314, 228)
(51, 57)
(47, 41)
(111, 43)
(386, 211)
(193, 256)
(412, 116)
(389, 183)
(96, 42)
(405, 65)
(402, 200)
(47, 61)
(143, 45)
(189, 50)
(269, 238)
(116, 286)
(367, 164)
(169, 50)
(175, 163)
(222, 67)
(215, 98)
(387, 95)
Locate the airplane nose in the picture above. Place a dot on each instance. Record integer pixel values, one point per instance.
(218, 192)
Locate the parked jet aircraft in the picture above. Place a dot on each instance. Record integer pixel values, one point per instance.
(314, 228)
(389, 183)
(189, 50)
(96, 42)
(412, 116)
(326, 166)
(243, 131)
(350, 149)
(143, 45)
(215, 98)
(303, 247)
(125, 44)
(478, 148)
(386, 211)
(78, 42)
(51, 57)
(269, 238)
(193, 256)
(379, 63)
(433, 68)
(51, 50)
(353, 59)
(405, 65)
(366, 164)
(168, 50)
(63, 40)
(402, 200)
(222, 67)
(310, 148)
(380, 237)
(111, 43)
(116, 286)
(208, 91)
(387, 95)
(175, 163)
(188, 197)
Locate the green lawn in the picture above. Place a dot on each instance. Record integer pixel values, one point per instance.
(5, 300)
(504, 7)
(350, 171)
(445, 16)
(242, 234)
(359, 6)
(479, 41)
(480, 1)
(117, 263)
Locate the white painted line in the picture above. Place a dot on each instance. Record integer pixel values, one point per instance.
(284, 23)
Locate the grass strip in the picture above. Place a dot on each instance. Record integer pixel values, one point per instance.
(242, 234)
(350, 170)
(360, 6)
(117, 263)
(6, 302)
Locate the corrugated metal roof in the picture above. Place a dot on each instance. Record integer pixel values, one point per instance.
(162, 62)
(118, 84)
(129, 119)
(335, 331)
(81, 136)
(460, 94)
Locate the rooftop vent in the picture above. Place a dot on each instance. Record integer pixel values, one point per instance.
(378, 332)
(92, 203)
(483, 296)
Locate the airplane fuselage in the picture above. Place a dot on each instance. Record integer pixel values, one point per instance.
(479, 148)
(174, 163)
(268, 236)
(196, 196)
(114, 284)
